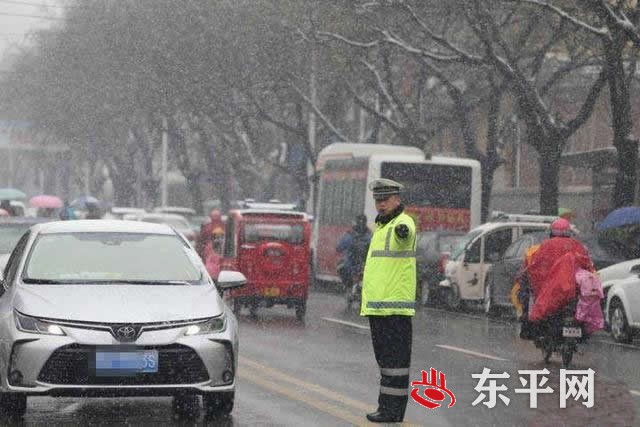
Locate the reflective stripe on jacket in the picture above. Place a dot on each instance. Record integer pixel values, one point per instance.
(389, 281)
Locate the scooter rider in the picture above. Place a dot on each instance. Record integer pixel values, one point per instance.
(551, 267)
(353, 245)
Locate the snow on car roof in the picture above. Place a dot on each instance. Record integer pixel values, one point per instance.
(493, 225)
(102, 226)
(245, 212)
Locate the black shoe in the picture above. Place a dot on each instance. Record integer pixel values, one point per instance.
(380, 417)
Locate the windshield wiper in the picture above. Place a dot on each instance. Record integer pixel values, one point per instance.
(30, 280)
(144, 282)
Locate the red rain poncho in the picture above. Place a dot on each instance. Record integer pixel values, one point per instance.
(552, 274)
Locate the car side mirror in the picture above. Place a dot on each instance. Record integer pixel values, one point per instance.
(635, 270)
(228, 279)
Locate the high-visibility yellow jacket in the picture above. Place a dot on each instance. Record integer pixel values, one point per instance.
(389, 281)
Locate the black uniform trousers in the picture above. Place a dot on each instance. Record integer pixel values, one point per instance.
(391, 337)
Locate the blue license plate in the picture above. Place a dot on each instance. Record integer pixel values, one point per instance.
(126, 362)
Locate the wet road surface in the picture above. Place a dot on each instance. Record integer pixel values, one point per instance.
(323, 373)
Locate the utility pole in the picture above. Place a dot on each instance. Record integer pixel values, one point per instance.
(165, 142)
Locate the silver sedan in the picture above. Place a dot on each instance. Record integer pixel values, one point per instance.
(115, 308)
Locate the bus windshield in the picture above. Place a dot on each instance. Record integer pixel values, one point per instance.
(440, 186)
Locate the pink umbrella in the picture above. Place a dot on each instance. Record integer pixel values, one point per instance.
(45, 201)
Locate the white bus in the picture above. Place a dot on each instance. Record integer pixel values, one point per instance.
(441, 193)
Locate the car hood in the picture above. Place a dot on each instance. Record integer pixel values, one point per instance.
(118, 303)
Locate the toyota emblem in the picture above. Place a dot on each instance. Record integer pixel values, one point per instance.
(126, 333)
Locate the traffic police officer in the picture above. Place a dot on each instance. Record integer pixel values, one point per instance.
(388, 298)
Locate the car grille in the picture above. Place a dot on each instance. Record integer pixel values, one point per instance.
(177, 364)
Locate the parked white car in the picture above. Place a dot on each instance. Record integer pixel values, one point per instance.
(119, 212)
(177, 222)
(616, 272)
(467, 268)
(621, 283)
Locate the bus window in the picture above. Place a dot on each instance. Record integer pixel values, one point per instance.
(443, 186)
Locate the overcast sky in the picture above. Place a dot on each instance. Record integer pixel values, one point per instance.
(15, 27)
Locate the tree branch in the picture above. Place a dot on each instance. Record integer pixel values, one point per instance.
(588, 105)
(382, 87)
(365, 45)
(363, 104)
(282, 125)
(429, 55)
(439, 39)
(319, 113)
(529, 97)
(462, 112)
(565, 15)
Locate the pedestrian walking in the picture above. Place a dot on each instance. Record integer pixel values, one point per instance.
(388, 298)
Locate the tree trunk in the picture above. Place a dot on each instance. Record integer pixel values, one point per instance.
(624, 191)
(193, 182)
(207, 148)
(626, 176)
(123, 188)
(550, 177)
(178, 143)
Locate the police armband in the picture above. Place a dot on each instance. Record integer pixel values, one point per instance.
(402, 231)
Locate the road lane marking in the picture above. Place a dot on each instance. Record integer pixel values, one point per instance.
(325, 392)
(310, 386)
(471, 352)
(470, 316)
(344, 322)
(619, 344)
(635, 392)
(295, 396)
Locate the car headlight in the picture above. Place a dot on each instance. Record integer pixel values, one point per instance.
(210, 326)
(36, 326)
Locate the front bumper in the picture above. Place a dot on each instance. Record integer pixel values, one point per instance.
(61, 365)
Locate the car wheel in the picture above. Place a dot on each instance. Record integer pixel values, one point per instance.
(218, 404)
(453, 297)
(487, 303)
(237, 306)
(186, 405)
(13, 404)
(546, 353)
(619, 325)
(253, 308)
(301, 310)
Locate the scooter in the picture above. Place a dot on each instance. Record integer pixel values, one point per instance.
(561, 334)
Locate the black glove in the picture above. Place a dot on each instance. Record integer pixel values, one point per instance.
(402, 231)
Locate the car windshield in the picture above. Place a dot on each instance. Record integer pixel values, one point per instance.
(9, 236)
(463, 243)
(290, 233)
(448, 242)
(95, 257)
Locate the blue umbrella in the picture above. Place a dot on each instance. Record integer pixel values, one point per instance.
(82, 202)
(11, 194)
(629, 215)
